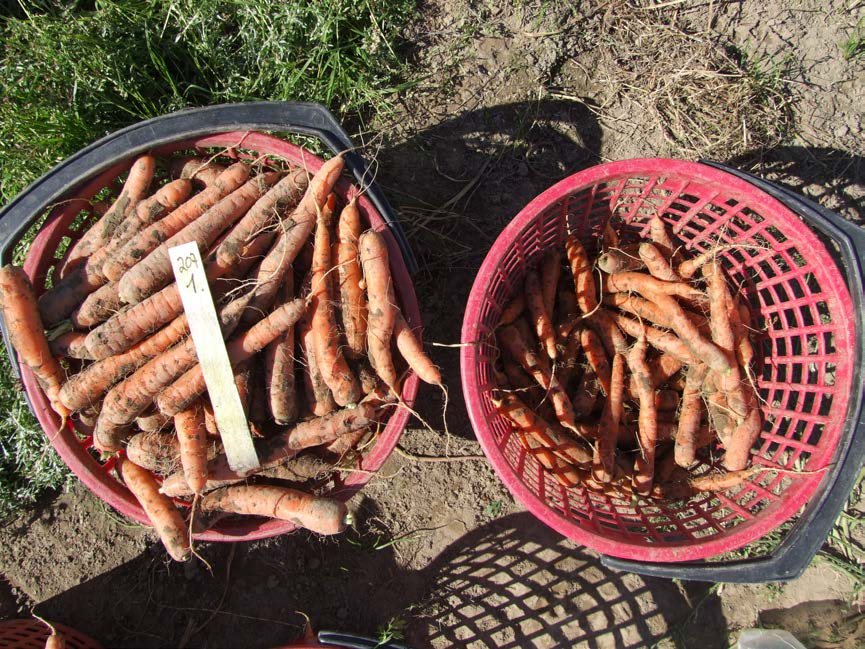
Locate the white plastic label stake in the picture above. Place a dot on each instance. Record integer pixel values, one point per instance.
(213, 357)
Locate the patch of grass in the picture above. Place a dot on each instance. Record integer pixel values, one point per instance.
(854, 46)
(71, 72)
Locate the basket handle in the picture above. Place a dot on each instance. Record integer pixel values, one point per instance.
(798, 548)
(298, 117)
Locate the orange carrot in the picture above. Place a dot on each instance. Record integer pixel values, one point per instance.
(154, 271)
(657, 263)
(326, 429)
(709, 482)
(581, 269)
(738, 449)
(154, 451)
(549, 272)
(412, 351)
(382, 305)
(152, 422)
(597, 357)
(331, 361)
(201, 170)
(160, 510)
(522, 417)
(318, 396)
(187, 388)
(315, 513)
(644, 466)
(603, 324)
(667, 342)
(689, 267)
(662, 237)
(192, 435)
(100, 233)
(151, 237)
(97, 307)
(27, 336)
(279, 369)
(540, 318)
(603, 461)
(586, 394)
(513, 309)
(646, 286)
(690, 416)
(567, 366)
(648, 310)
(352, 298)
(70, 345)
(563, 472)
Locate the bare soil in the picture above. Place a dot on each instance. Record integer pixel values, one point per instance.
(440, 554)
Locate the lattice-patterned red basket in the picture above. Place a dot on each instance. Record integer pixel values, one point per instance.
(32, 634)
(806, 321)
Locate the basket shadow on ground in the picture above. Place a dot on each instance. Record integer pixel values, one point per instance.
(455, 186)
(512, 583)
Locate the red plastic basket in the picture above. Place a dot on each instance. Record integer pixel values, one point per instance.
(74, 443)
(32, 634)
(807, 321)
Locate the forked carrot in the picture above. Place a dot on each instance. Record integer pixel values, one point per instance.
(662, 237)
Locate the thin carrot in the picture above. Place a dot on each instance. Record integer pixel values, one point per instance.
(353, 311)
(549, 272)
(646, 285)
(412, 351)
(331, 361)
(603, 461)
(318, 396)
(563, 472)
(597, 357)
(513, 309)
(690, 416)
(382, 305)
(540, 317)
(279, 369)
(586, 395)
(662, 237)
(644, 465)
(581, 270)
(657, 263)
(315, 513)
(160, 510)
(567, 365)
(26, 334)
(567, 315)
(97, 307)
(192, 436)
(665, 341)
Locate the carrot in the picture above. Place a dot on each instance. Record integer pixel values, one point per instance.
(318, 396)
(353, 312)
(151, 237)
(195, 168)
(326, 429)
(689, 267)
(273, 272)
(586, 394)
(412, 351)
(657, 263)
(522, 417)
(187, 388)
(337, 450)
(70, 345)
(537, 365)
(648, 420)
(563, 472)
(603, 461)
(382, 305)
(97, 307)
(88, 386)
(648, 310)
(154, 451)
(56, 640)
(550, 270)
(154, 271)
(160, 510)
(279, 369)
(26, 334)
(597, 357)
(690, 416)
(603, 324)
(738, 449)
(609, 236)
(315, 513)
(152, 422)
(709, 482)
(668, 343)
(581, 269)
(540, 317)
(331, 361)
(567, 367)
(618, 260)
(662, 237)
(100, 233)
(647, 286)
(192, 436)
(513, 309)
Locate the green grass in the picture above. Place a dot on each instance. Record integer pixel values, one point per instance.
(854, 46)
(73, 71)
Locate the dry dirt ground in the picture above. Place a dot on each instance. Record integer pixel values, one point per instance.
(512, 100)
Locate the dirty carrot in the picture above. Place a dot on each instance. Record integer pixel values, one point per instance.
(192, 438)
(70, 345)
(160, 510)
(603, 461)
(412, 351)
(154, 451)
(382, 305)
(279, 369)
(665, 341)
(318, 396)
(690, 416)
(353, 306)
(581, 270)
(538, 314)
(549, 271)
(657, 263)
(597, 357)
(97, 307)
(644, 465)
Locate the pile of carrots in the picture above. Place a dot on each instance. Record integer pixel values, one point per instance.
(307, 308)
(618, 372)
